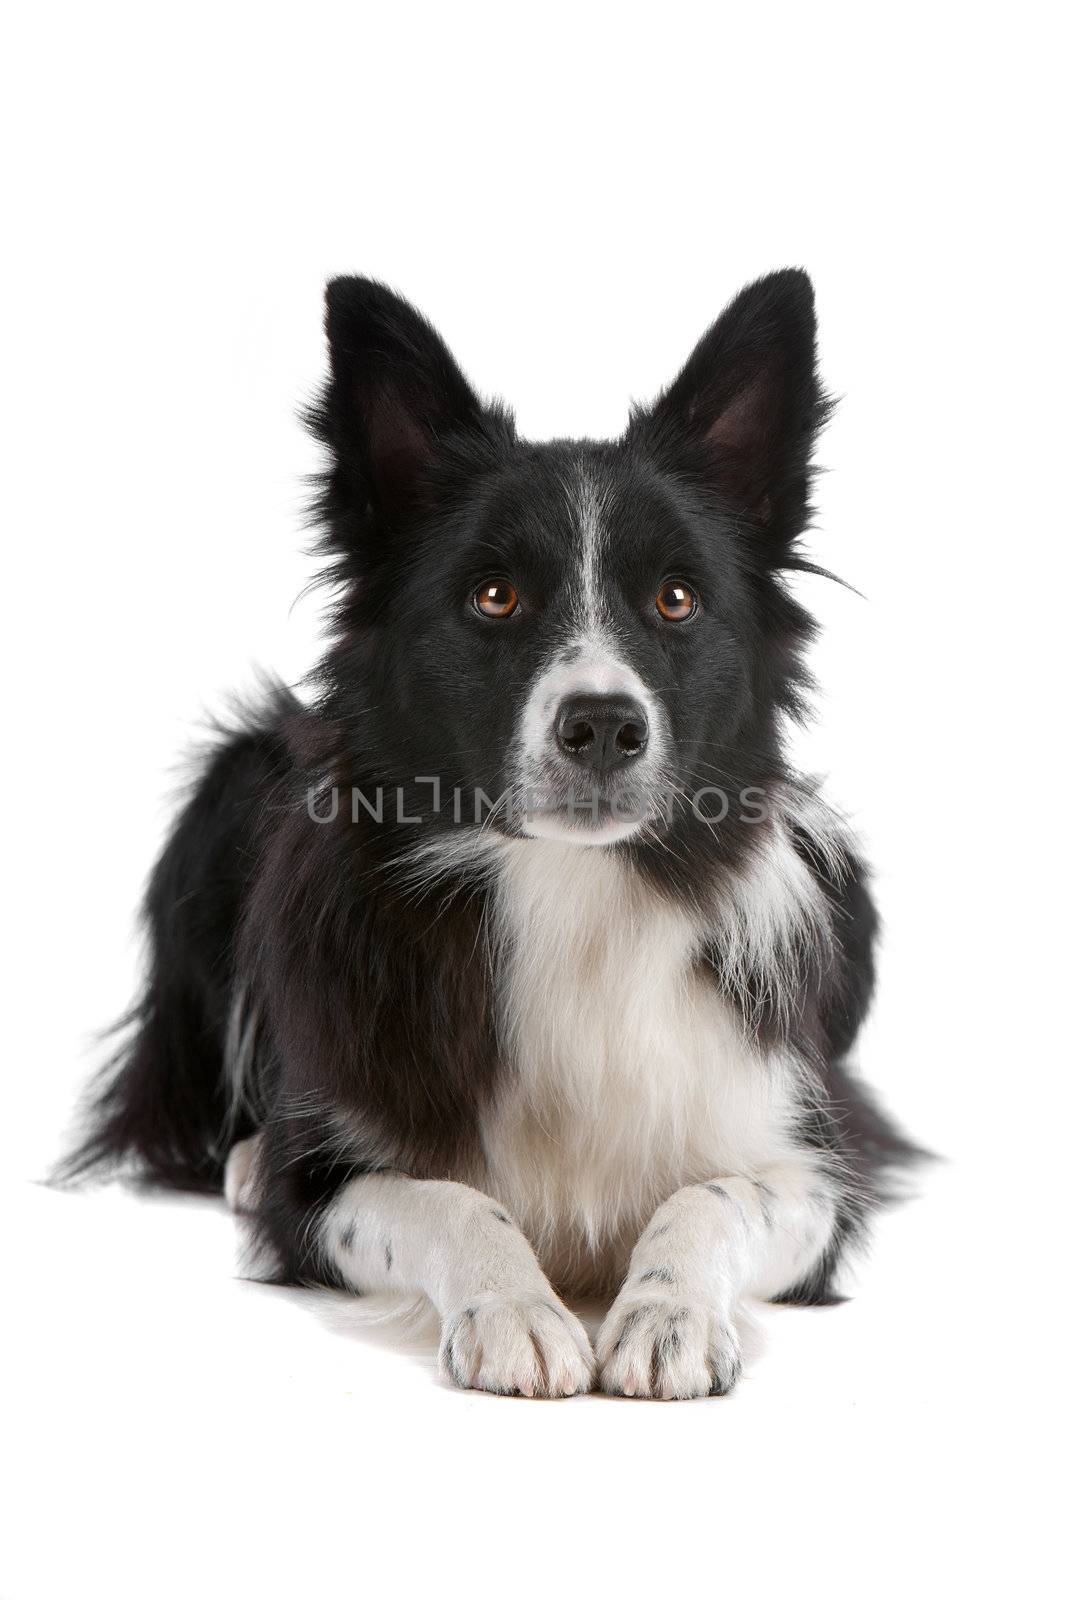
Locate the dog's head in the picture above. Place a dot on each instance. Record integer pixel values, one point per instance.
(570, 636)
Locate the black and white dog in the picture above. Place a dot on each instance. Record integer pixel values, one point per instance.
(517, 963)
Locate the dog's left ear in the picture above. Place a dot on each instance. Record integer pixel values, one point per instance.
(746, 408)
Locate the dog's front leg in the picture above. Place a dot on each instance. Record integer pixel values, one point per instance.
(671, 1332)
(503, 1327)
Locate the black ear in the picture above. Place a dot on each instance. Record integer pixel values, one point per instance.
(394, 395)
(748, 404)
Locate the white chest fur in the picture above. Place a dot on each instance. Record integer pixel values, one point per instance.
(629, 1075)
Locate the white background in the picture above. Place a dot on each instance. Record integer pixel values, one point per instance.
(571, 193)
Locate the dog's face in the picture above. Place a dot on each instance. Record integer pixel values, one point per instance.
(568, 637)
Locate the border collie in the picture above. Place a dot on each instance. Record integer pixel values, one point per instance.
(516, 964)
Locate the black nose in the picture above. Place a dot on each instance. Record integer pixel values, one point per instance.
(601, 731)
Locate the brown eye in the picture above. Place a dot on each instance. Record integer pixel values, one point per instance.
(497, 599)
(676, 602)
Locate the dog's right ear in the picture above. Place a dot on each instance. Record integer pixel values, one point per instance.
(394, 397)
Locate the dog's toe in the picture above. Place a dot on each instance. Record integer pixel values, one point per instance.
(239, 1183)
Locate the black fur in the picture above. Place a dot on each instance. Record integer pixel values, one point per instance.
(367, 1010)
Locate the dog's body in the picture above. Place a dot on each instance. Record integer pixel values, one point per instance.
(518, 1043)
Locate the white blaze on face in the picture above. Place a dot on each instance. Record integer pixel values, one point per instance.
(589, 661)
(588, 505)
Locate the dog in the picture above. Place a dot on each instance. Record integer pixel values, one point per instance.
(513, 962)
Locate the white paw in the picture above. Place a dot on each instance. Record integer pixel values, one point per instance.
(517, 1343)
(242, 1171)
(665, 1347)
